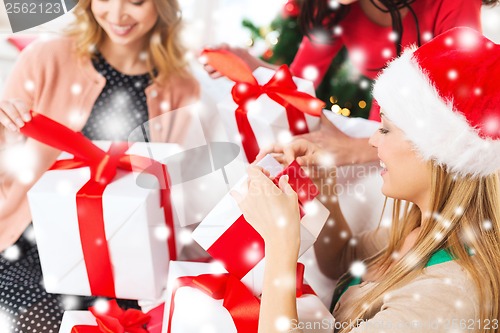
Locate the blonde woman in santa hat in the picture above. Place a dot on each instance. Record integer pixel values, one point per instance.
(436, 268)
(121, 65)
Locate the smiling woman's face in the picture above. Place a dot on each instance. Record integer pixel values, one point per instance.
(405, 174)
(345, 2)
(126, 22)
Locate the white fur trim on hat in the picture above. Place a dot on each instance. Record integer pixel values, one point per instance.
(439, 132)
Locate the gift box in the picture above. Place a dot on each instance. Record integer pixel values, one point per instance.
(228, 238)
(205, 168)
(266, 106)
(135, 231)
(202, 305)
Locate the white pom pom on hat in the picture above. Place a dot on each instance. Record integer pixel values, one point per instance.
(445, 96)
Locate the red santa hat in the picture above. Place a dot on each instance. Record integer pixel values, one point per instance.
(445, 96)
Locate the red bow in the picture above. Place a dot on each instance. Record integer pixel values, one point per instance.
(238, 299)
(103, 167)
(280, 88)
(115, 320)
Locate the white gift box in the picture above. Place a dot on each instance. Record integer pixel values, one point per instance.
(135, 227)
(223, 216)
(208, 165)
(195, 311)
(267, 118)
(73, 318)
(198, 178)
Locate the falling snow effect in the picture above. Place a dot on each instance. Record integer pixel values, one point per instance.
(357, 269)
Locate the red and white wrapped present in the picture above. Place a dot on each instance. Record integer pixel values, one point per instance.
(203, 297)
(98, 232)
(265, 106)
(229, 239)
(127, 234)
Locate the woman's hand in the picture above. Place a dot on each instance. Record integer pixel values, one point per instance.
(273, 212)
(242, 53)
(13, 114)
(343, 149)
(305, 152)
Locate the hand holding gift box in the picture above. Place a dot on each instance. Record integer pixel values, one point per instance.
(264, 105)
(228, 238)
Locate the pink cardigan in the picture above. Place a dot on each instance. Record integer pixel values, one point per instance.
(56, 82)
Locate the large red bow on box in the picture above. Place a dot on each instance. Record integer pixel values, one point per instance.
(241, 247)
(115, 320)
(241, 304)
(280, 88)
(103, 166)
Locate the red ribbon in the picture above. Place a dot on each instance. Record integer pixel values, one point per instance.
(155, 325)
(241, 247)
(115, 320)
(103, 166)
(238, 299)
(280, 88)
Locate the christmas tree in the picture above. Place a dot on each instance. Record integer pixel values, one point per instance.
(343, 89)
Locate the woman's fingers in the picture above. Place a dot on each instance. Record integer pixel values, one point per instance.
(285, 186)
(238, 197)
(273, 149)
(298, 150)
(23, 109)
(10, 117)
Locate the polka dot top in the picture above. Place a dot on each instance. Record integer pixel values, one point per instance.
(121, 108)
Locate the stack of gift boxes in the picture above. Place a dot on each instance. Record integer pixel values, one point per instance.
(106, 217)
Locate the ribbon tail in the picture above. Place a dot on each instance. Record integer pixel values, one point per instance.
(301, 287)
(229, 65)
(56, 135)
(296, 120)
(156, 323)
(248, 139)
(302, 101)
(242, 305)
(168, 212)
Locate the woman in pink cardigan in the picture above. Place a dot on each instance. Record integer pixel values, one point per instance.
(120, 65)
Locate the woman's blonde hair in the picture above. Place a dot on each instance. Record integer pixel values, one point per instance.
(165, 53)
(466, 222)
